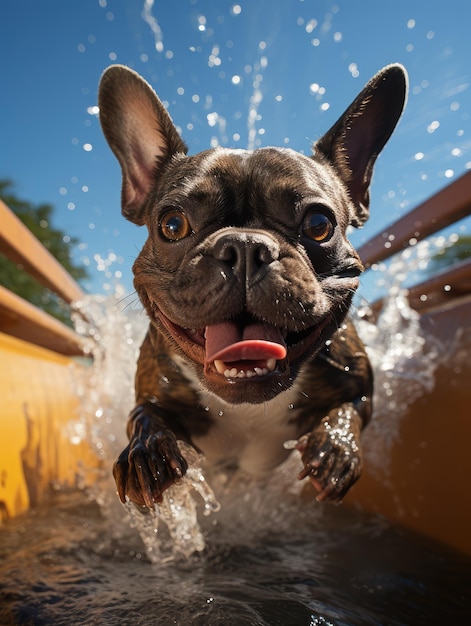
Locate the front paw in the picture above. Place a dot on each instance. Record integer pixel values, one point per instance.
(147, 467)
(332, 455)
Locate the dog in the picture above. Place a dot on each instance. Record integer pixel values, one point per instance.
(247, 277)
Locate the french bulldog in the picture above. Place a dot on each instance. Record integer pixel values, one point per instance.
(247, 277)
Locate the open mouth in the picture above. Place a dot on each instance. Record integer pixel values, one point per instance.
(244, 348)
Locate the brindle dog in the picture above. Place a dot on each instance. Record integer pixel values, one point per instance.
(247, 277)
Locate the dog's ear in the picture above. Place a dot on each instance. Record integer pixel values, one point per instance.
(139, 131)
(359, 135)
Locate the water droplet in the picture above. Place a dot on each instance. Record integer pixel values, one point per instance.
(311, 25)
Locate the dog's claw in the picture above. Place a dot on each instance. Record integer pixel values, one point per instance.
(146, 468)
(332, 455)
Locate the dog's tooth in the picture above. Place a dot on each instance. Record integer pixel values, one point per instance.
(220, 367)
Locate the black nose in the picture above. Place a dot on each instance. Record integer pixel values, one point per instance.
(246, 254)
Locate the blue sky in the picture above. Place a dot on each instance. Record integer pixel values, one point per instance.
(243, 74)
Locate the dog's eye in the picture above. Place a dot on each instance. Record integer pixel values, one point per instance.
(175, 226)
(317, 226)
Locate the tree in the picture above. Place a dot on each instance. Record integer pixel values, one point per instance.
(458, 251)
(38, 219)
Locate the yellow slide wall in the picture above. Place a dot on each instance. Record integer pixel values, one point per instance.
(39, 420)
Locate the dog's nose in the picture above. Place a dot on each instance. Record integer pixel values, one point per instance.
(247, 253)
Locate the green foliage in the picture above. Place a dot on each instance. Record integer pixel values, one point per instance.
(38, 219)
(458, 251)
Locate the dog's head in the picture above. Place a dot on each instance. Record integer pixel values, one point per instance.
(247, 268)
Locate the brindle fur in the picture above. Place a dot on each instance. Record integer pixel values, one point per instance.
(257, 198)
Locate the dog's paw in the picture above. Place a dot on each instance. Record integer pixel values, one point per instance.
(147, 467)
(332, 455)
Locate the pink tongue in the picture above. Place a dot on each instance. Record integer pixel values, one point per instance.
(229, 342)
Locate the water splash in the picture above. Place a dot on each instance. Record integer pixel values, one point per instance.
(113, 336)
(403, 355)
(256, 98)
(178, 512)
(153, 24)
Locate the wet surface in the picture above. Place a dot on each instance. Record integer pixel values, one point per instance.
(69, 564)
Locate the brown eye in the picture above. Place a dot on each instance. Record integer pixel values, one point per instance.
(317, 227)
(175, 226)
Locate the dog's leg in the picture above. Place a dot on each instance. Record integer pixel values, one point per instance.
(151, 462)
(166, 406)
(331, 450)
(332, 454)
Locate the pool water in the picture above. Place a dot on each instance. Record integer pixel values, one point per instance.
(70, 563)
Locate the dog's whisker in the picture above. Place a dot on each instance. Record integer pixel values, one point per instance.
(122, 300)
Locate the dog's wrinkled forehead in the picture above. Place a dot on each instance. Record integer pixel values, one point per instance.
(256, 181)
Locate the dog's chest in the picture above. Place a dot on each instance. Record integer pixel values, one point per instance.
(250, 436)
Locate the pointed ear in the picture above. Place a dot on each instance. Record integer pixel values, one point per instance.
(140, 133)
(355, 140)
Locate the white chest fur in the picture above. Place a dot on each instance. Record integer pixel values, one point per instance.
(248, 435)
